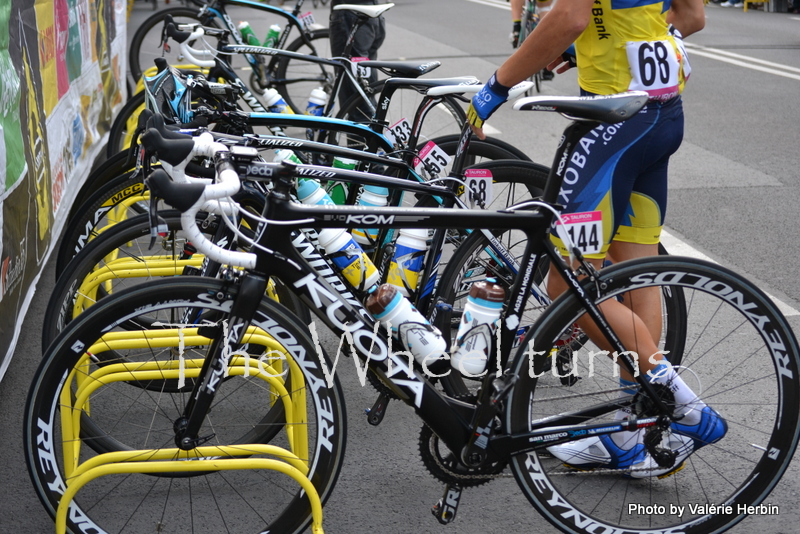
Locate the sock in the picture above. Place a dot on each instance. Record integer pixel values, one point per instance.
(687, 403)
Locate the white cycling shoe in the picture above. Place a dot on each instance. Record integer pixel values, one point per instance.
(601, 452)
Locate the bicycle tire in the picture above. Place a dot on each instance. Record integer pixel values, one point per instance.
(446, 119)
(148, 34)
(252, 500)
(102, 174)
(119, 137)
(97, 213)
(284, 70)
(122, 254)
(754, 386)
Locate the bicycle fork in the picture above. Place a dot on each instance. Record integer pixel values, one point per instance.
(226, 340)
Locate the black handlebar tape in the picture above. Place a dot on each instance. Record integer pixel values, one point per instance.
(144, 119)
(161, 63)
(173, 151)
(167, 131)
(197, 122)
(179, 196)
(176, 34)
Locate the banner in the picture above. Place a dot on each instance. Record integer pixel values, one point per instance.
(61, 79)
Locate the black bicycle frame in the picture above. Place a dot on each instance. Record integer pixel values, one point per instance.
(464, 428)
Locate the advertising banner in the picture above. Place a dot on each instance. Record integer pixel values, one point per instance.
(61, 68)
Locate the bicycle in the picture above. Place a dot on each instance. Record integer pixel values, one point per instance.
(214, 13)
(530, 18)
(504, 425)
(122, 193)
(341, 72)
(126, 195)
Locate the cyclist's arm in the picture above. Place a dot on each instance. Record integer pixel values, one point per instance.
(516, 9)
(688, 16)
(553, 35)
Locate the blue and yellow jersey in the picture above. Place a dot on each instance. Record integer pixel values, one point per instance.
(627, 46)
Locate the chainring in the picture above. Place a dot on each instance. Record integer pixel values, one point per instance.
(446, 467)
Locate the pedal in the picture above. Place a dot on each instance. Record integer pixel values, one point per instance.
(446, 508)
(378, 410)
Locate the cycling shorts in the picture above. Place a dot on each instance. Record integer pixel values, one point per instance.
(620, 170)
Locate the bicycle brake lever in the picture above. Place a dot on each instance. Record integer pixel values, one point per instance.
(158, 226)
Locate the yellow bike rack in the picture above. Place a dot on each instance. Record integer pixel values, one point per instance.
(164, 461)
(75, 399)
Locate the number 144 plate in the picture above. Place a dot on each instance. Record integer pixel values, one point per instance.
(585, 230)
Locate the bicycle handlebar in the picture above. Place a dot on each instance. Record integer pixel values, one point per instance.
(191, 198)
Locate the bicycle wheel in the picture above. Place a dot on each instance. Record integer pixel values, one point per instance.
(106, 171)
(446, 118)
(118, 200)
(477, 259)
(121, 257)
(221, 485)
(124, 125)
(294, 78)
(740, 357)
(144, 47)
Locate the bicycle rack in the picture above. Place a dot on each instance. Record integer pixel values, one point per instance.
(206, 458)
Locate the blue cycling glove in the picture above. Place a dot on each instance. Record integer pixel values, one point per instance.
(486, 101)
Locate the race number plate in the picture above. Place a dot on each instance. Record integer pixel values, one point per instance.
(479, 187)
(584, 230)
(654, 68)
(434, 159)
(399, 132)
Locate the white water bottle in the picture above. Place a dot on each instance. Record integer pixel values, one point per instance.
(275, 103)
(316, 102)
(478, 324)
(373, 196)
(349, 257)
(311, 192)
(417, 335)
(346, 254)
(408, 259)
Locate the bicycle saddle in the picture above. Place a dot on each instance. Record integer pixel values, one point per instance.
(608, 108)
(408, 69)
(368, 10)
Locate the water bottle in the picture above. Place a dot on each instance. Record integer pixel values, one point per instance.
(248, 35)
(274, 102)
(316, 102)
(416, 334)
(348, 257)
(373, 196)
(346, 254)
(338, 191)
(310, 192)
(408, 259)
(284, 154)
(273, 35)
(474, 337)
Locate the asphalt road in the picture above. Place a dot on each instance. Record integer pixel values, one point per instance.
(733, 198)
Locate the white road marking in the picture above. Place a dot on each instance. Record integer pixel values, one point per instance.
(679, 248)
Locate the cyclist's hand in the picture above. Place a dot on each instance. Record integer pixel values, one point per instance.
(484, 103)
(565, 61)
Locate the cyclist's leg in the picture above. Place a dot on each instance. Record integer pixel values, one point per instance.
(621, 171)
